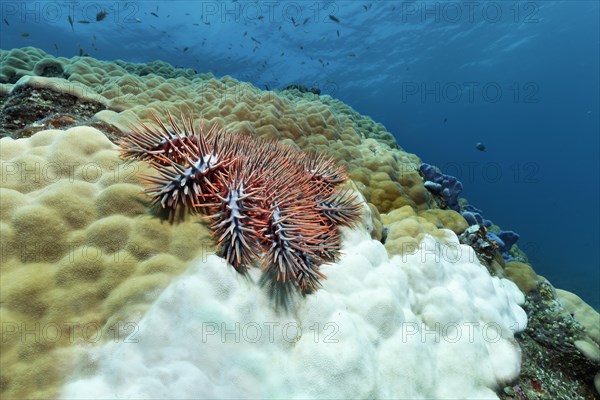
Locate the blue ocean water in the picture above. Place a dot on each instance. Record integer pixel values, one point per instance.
(520, 77)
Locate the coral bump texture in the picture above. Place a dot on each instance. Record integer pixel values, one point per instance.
(268, 204)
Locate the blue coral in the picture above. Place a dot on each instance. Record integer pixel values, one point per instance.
(474, 216)
(449, 188)
(504, 240)
(446, 186)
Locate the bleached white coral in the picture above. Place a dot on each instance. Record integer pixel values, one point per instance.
(433, 324)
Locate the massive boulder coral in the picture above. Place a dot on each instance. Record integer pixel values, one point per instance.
(78, 250)
(380, 327)
(320, 124)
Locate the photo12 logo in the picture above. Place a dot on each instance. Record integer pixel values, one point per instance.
(72, 332)
(469, 92)
(454, 332)
(54, 12)
(490, 12)
(297, 13)
(271, 332)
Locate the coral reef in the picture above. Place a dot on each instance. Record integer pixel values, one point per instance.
(478, 238)
(380, 327)
(28, 109)
(303, 89)
(82, 247)
(447, 187)
(474, 216)
(78, 251)
(553, 364)
(505, 241)
(384, 174)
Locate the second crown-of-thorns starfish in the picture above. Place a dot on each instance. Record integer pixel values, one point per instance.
(268, 204)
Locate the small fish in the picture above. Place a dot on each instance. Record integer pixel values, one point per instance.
(185, 49)
(282, 54)
(6, 22)
(138, 21)
(101, 15)
(83, 21)
(351, 55)
(70, 19)
(294, 21)
(245, 33)
(80, 52)
(25, 34)
(279, 28)
(267, 87)
(56, 46)
(306, 21)
(338, 32)
(261, 17)
(445, 120)
(334, 19)
(254, 40)
(196, 24)
(153, 13)
(480, 146)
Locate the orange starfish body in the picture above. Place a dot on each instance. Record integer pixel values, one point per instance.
(268, 204)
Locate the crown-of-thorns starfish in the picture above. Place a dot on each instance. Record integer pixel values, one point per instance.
(268, 204)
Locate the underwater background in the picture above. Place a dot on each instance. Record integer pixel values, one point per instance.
(519, 77)
(370, 274)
